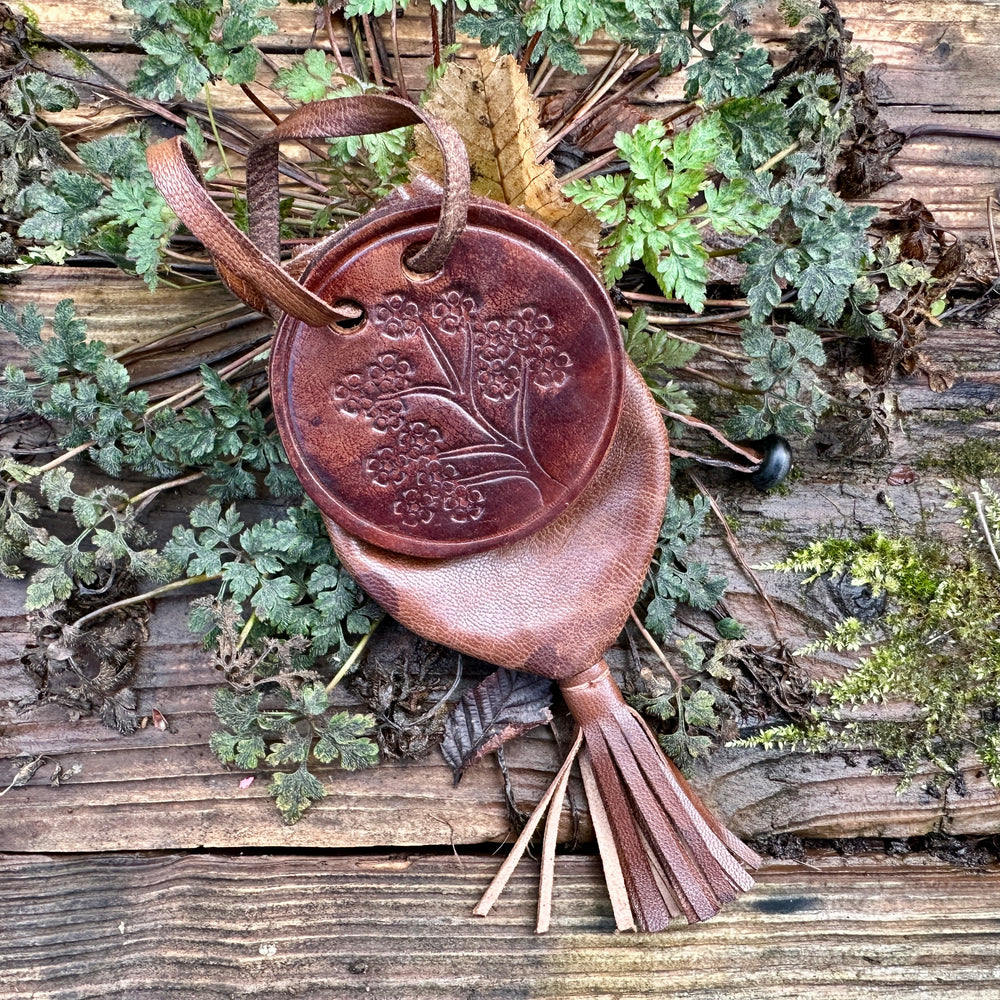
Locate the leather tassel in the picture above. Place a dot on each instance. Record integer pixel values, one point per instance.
(676, 858)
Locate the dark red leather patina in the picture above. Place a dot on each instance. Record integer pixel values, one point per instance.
(466, 408)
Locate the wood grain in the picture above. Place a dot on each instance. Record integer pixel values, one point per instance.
(157, 790)
(201, 927)
(118, 309)
(165, 790)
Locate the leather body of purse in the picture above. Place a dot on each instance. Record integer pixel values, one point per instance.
(450, 385)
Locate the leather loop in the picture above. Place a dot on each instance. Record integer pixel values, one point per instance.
(250, 266)
(347, 116)
(253, 277)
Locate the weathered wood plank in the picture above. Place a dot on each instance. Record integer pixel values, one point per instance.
(939, 69)
(157, 790)
(203, 927)
(119, 309)
(165, 790)
(943, 53)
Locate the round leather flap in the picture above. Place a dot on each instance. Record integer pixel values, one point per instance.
(464, 409)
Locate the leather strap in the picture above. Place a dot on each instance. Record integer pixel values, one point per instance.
(250, 266)
(348, 116)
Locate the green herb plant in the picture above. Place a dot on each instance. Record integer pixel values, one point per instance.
(276, 584)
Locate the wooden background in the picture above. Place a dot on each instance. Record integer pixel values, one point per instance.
(383, 909)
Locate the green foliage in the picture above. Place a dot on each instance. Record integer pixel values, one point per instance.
(279, 582)
(316, 77)
(728, 64)
(280, 575)
(29, 149)
(78, 388)
(674, 578)
(299, 732)
(113, 209)
(782, 369)
(655, 352)
(819, 248)
(690, 707)
(937, 648)
(650, 210)
(189, 43)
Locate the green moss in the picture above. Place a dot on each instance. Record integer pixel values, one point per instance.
(936, 648)
(971, 415)
(774, 526)
(969, 460)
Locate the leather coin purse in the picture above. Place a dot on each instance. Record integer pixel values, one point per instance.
(450, 386)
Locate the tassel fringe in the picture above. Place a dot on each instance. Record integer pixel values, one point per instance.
(664, 854)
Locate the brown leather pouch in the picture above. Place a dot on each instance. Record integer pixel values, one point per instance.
(450, 386)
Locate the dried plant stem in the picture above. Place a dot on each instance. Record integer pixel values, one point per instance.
(528, 50)
(144, 347)
(349, 663)
(542, 75)
(690, 320)
(777, 158)
(334, 47)
(736, 551)
(167, 588)
(435, 38)
(985, 526)
(259, 104)
(660, 655)
(142, 499)
(66, 456)
(397, 58)
(577, 116)
(373, 56)
(188, 396)
(215, 131)
(586, 169)
(663, 300)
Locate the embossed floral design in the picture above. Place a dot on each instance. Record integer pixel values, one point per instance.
(452, 311)
(387, 468)
(462, 502)
(466, 360)
(499, 380)
(416, 507)
(433, 474)
(399, 318)
(548, 367)
(419, 440)
(529, 329)
(371, 393)
(529, 334)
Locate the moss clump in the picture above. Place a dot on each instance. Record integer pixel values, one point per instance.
(969, 461)
(937, 647)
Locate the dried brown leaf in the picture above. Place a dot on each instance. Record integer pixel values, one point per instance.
(506, 705)
(488, 100)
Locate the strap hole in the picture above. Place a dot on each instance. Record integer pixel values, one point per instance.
(404, 262)
(350, 324)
